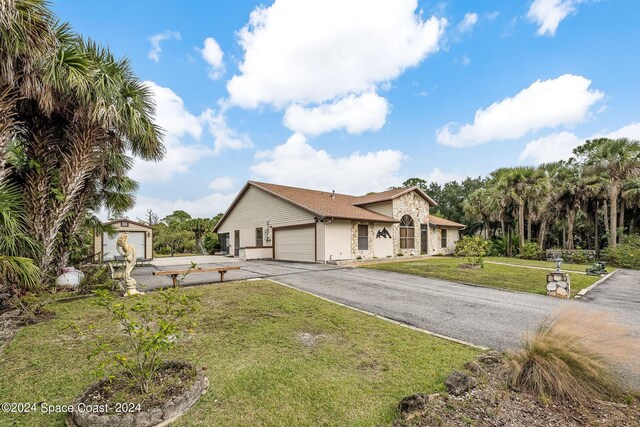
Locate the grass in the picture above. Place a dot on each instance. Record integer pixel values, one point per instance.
(176, 255)
(544, 264)
(260, 370)
(572, 357)
(494, 275)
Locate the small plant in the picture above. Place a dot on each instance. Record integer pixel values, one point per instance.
(151, 325)
(570, 357)
(530, 250)
(626, 254)
(95, 278)
(578, 257)
(31, 309)
(474, 249)
(359, 257)
(400, 254)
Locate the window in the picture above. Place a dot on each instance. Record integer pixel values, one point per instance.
(363, 237)
(443, 238)
(124, 223)
(407, 231)
(259, 236)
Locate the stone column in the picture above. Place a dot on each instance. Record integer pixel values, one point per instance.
(559, 285)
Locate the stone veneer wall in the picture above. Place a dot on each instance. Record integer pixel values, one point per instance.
(418, 208)
(355, 253)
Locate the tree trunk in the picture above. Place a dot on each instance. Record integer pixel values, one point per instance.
(529, 236)
(487, 225)
(564, 234)
(542, 234)
(605, 208)
(597, 234)
(509, 242)
(621, 223)
(571, 219)
(521, 224)
(613, 217)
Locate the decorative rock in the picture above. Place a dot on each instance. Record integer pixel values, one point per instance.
(558, 285)
(490, 358)
(473, 367)
(411, 405)
(561, 292)
(458, 383)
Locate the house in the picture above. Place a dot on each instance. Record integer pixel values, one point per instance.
(297, 224)
(139, 235)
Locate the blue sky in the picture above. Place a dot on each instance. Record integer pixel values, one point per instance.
(356, 95)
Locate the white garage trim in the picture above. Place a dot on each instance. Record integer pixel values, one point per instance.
(295, 243)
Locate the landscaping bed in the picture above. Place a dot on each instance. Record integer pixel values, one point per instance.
(494, 275)
(274, 356)
(493, 404)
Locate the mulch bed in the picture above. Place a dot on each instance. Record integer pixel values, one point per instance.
(493, 404)
(171, 380)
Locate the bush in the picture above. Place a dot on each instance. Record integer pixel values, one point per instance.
(151, 325)
(473, 248)
(499, 246)
(97, 277)
(570, 358)
(578, 257)
(530, 250)
(626, 254)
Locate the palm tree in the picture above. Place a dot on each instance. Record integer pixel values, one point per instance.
(17, 269)
(569, 192)
(481, 205)
(618, 160)
(631, 194)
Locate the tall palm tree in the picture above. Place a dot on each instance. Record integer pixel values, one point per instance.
(481, 205)
(618, 160)
(631, 194)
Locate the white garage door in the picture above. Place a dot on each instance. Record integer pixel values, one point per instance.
(136, 238)
(296, 244)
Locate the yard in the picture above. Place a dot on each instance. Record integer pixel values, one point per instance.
(494, 275)
(274, 356)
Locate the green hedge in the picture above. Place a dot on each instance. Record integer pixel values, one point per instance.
(626, 254)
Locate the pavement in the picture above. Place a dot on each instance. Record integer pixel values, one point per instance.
(479, 315)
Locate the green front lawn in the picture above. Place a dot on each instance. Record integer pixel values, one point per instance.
(264, 367)
(544, 264)
(494, 275)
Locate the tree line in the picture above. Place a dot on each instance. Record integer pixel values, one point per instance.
(589, 201)
(179, 233)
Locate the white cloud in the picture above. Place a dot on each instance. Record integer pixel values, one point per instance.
(204, 207)
(212, 54)
(550, 148)
(154, 53)
(297, 163)
(564, 101)
(224, 183)
(441, 177)
(549, 13)
(631, 131)
(319, 50)
(468, 22)
(224, 136)
(180, 124)
(353, 113)
(560, 145)
(465, 60)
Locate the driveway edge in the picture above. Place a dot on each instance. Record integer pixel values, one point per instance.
(406, 325)
(588, 288)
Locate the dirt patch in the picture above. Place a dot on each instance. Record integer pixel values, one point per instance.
(310, 340)
(493, 404)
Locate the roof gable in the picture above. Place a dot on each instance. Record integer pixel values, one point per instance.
(384, 196)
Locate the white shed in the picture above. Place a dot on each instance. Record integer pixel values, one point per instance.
(140, 236)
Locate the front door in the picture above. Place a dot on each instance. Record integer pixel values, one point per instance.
(424, 238)
(236, 243)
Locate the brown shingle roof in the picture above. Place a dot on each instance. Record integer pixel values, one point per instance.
(383, 196)
(436, 220)
(322, 203)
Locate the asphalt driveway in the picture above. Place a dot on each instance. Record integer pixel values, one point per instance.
(479, 315)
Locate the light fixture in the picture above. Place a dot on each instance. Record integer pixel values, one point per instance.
(558, 262)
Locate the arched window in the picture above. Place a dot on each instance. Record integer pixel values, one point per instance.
(407, 230)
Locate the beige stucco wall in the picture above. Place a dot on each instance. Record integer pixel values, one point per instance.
(378, 247)
(256, 253)
(435, 248)
(383, 208)
(320, 241)
(254, 209)
(337, 240)
(409, 204)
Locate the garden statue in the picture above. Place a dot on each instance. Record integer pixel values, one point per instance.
(127, 250)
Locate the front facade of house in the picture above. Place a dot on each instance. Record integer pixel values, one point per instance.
(295, 224)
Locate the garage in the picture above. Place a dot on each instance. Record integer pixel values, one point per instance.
(295, 243)
(139, 235)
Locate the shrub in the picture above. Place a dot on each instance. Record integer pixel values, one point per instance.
(570, 357)
(151, 325)
(530, 250)
(499, 246)
(97, 277)
(626, 254)
(473, 248)
(578, 257)
(30, 308)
